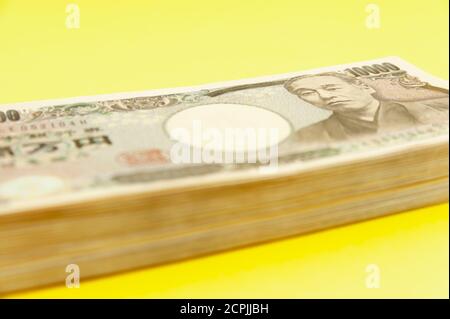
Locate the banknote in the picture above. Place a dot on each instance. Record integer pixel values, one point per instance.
(66, 150)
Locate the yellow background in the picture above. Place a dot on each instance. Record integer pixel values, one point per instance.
(139, 45)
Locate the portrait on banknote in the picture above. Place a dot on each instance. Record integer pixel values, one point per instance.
(363, 107)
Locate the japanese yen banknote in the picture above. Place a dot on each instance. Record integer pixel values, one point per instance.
(62, 150)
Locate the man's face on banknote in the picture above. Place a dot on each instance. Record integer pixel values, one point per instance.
(333, 93)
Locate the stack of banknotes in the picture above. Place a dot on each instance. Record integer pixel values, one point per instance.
(115, 182)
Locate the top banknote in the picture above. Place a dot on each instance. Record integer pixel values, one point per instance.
(77, 148)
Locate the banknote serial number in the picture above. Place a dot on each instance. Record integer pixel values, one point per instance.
(9, 116)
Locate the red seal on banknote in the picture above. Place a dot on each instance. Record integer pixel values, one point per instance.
(143, 157)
